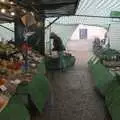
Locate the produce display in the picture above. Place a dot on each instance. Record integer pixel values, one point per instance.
(13, 68)
(105, 69)
(110, 58)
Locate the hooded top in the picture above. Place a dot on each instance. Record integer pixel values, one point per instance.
(57, 42)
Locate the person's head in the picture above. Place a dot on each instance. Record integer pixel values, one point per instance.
(52, 35)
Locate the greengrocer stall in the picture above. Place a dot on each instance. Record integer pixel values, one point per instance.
(24, 87)
(105, 69)
(21, 82)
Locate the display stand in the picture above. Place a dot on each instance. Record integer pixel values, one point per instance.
(37, 90)
(108, 84)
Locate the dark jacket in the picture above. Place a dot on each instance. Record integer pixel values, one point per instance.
(57, 43)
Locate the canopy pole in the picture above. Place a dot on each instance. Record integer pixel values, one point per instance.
(52, 22)
(96, 16)
(77, 4)
(109, 42)
(7, 28)
(64, 15)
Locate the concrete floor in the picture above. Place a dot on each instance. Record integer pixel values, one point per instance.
(73, 94)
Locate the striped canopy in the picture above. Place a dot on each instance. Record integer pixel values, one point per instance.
(93, 12)
(98, 7)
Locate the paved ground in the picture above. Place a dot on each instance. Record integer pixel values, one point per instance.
(73, 94)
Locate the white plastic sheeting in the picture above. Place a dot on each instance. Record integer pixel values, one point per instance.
(114, 36)
(6, 34)
(63, 31)
(92, 32)
(85, 44)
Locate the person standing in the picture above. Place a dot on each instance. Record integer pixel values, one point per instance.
(59, 47)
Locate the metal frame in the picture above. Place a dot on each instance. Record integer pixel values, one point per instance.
(63, 15)
(83, 24)
(40, 7)
(57, 4)
(96, 16)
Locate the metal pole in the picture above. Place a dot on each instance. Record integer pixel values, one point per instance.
(66, 15)
(109, 44)
(7, 28)
(50, 44)
(96, 16)
(52, 22)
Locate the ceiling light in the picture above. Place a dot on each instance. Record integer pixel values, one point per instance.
(11, 2)
(3, 10)
(32, 13)
(24, 10)
(2, 0)
(12, 13)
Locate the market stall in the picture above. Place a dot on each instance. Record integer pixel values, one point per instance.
(23, 82)
(19, 80)
(105, 68)
(24, 86)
